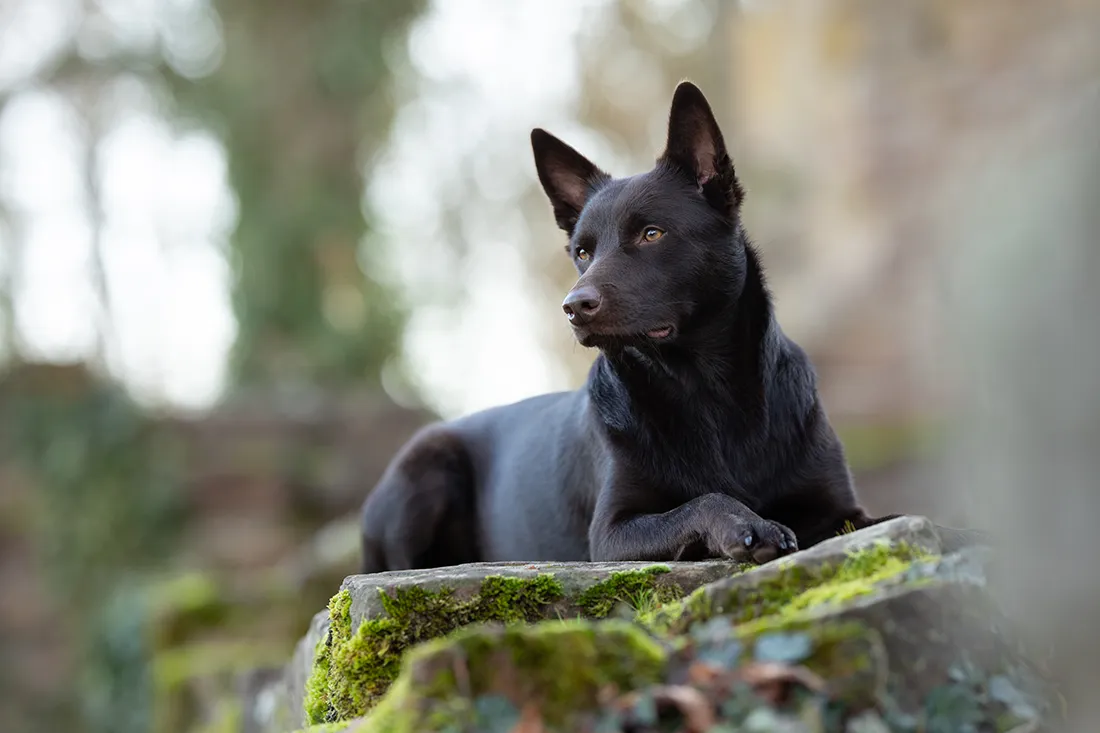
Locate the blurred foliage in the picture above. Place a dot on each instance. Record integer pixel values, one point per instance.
(106, 502)
(301, 101)
(116, 684)
(106, 511)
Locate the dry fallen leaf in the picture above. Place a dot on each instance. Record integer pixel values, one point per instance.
(773, 681)
(701, 673)
(697, 710)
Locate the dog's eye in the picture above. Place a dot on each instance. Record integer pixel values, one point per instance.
(652, 234)
(583, 254)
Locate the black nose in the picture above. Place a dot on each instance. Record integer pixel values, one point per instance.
(581, 305)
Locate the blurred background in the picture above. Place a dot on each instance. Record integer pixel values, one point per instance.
(247, 247)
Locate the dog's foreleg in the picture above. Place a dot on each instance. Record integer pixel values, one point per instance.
(622, 530)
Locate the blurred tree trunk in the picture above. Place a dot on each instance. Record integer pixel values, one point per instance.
(1026, 308)
(302, 101)
(1020, 231)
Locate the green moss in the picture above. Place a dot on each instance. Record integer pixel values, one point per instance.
(326, 727)
(352, 670)
(791, 593)
(561, 666)
(638, 589)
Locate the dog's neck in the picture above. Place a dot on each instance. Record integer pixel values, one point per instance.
(723, 360)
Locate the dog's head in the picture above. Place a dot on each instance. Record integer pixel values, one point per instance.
(654, 251)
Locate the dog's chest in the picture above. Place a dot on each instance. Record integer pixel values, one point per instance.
(700, 452)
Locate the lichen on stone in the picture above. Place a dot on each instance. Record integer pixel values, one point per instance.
(791, 593)
(638, 589)
(353, 668)
(561, 667)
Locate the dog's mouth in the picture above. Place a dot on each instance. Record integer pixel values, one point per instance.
(608, 337)
(659, 334)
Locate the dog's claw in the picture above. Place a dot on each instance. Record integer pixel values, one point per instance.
(748, 541)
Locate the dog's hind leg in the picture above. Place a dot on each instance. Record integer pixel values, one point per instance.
(422, 513)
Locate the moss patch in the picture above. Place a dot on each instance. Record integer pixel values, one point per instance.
(638, 589)
(352, 669)
(791, 593)
(561, 667)
(326, 727)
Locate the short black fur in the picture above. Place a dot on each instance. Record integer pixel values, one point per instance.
(699, 433)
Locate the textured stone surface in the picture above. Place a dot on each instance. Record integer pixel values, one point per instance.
(875, 630)
(297, 671)
(465, 581)
(575, 578)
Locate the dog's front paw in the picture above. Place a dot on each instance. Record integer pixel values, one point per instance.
(757, 540)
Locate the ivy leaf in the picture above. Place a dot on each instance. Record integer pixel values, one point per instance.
(953, 709)
(786, 648)
(496, 713)
(1003, 691)
(645, 709)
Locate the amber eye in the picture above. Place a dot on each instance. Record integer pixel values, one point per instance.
(582, 254)
(652, 234)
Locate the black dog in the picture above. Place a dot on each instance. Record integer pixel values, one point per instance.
(700, 432)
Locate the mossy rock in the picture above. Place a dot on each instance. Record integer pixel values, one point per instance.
(482, 675)
(788, 590)
(589, 589)
(894, 632)
(933, 617)
(567, 675)
(375, 618)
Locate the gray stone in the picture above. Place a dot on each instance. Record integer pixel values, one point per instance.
(931, 620)
(297, 672)
(265, 706)
(465, 581)
(916, 532)
(575, 578)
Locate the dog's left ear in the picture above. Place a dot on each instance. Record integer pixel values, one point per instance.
(696, 147)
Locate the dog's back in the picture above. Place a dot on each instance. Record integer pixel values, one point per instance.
(507, 483)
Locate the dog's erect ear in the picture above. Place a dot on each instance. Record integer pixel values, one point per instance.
(695, 146)
(567, 177)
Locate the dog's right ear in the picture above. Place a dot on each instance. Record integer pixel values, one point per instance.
(568, 177)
